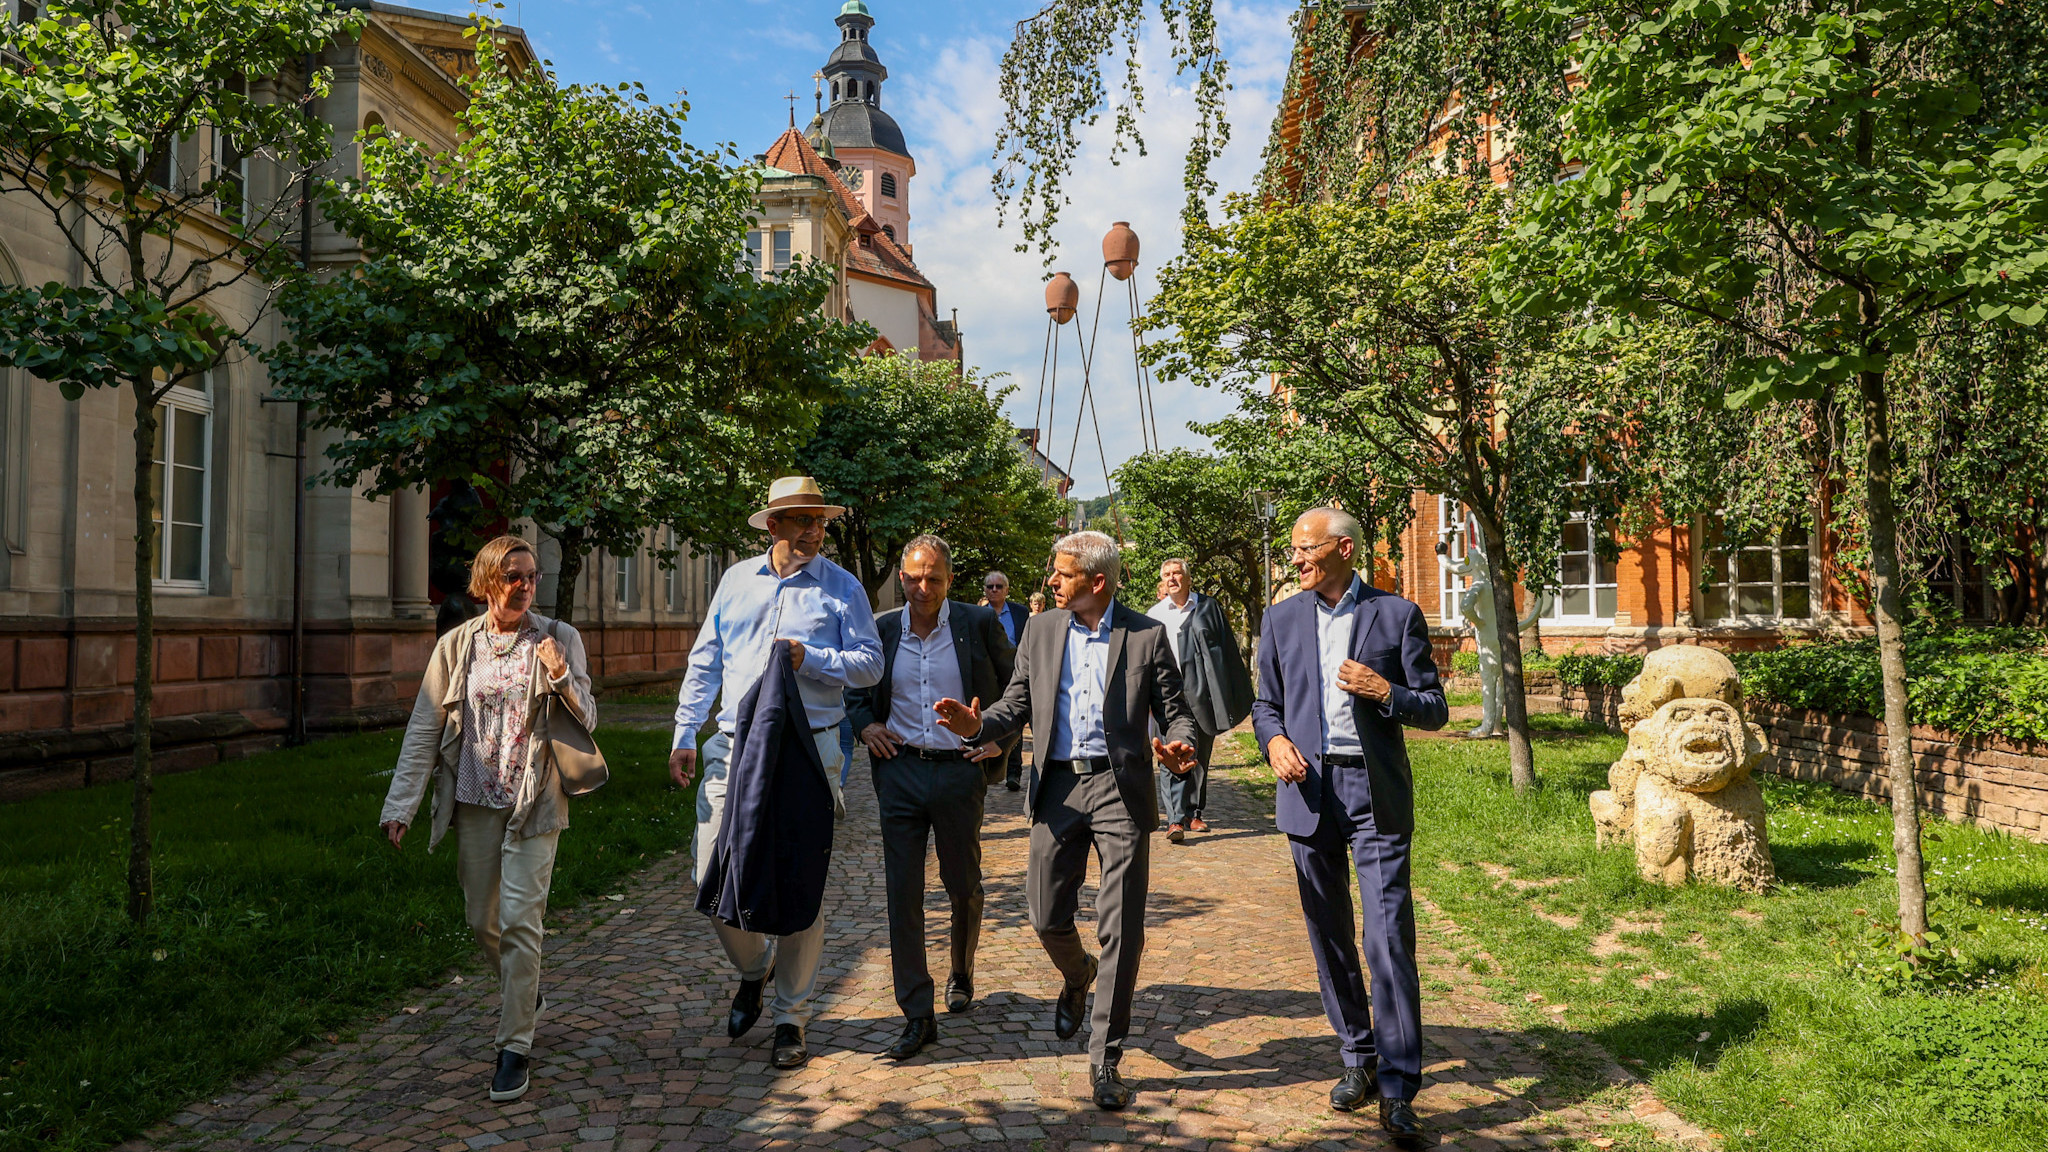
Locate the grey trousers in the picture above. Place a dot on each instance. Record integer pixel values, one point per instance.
(1184, 797)
(505, 894)
(794, 958)
(923, 801)
(1074, 814)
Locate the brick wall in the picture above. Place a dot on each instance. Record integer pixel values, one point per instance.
(1984, 780)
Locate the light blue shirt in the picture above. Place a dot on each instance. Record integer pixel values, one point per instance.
(820, 604)
(1010, 627)
(1333, 647)
(1077, 732)
(926, 672)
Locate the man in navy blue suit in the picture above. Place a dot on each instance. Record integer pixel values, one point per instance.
(1341, 668)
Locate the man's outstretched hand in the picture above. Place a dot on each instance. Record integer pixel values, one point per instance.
(1178, 756)
(962, 720)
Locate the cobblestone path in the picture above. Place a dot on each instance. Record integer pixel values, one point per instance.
(1231, 1048)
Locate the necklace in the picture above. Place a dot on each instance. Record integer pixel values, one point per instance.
(504, 649)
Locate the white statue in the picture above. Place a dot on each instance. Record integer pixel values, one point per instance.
(1476, 606)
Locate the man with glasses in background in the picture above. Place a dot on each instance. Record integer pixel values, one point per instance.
(1011, 615)
(788, 593)
(1342, 668)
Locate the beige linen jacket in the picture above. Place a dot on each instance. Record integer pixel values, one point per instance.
(433, 737)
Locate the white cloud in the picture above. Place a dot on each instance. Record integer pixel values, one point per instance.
(950, 107)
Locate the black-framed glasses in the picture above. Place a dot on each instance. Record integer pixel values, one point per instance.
(803, 523)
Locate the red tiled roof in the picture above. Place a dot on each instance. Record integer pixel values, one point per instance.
(875, 254)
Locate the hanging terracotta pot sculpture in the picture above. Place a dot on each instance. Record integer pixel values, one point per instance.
(1062, 297)
(1120, 250)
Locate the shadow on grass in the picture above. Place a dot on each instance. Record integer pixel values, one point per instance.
(1661, 1040)
(1822, 864)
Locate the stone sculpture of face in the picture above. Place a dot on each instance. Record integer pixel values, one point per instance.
(1699, 745)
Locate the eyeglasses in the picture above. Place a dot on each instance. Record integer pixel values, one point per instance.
(802, 523)
(523, 578)
(995, 587)
(1297, 552)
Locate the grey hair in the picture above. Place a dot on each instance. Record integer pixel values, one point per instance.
(1335, 521)
(927, 542)
(994, 572)
(1175, 562)
(1096, 553)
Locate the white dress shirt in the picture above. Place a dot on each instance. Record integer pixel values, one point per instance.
(926, 671)
(1173, 616)
(1077, 732)
(1333, 647)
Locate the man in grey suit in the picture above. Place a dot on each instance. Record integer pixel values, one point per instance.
(1089, 676)
(930, 786)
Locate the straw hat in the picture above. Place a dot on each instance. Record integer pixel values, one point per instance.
(791, 493)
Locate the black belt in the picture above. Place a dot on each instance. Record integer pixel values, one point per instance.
(936, 754)
(1085, 767)
(825, 729)
(1335, 760)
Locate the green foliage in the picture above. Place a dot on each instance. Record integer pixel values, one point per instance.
(1978, 682)
(1986, 1062)
(1594, 670)
(1196, 506)
(1053, 86)
(283, 915)
(1731, 1005)
(560, 313)
(918, 446)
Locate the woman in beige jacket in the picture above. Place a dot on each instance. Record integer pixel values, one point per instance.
(478, 731)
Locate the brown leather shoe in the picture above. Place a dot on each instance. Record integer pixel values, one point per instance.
(1175, 834)
(1197, 824)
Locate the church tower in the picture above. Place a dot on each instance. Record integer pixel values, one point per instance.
(865, 140)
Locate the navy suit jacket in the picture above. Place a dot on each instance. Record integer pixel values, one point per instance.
(1019, 615)
(1387, 635)
(774, 848)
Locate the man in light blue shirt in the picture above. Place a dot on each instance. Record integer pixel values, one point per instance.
(789, 593)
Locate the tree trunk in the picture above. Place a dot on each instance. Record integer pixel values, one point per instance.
(141, 883)
(1891, 648)
(569, 575)
(1514, 705)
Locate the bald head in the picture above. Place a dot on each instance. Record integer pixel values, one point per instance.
(1331, 523)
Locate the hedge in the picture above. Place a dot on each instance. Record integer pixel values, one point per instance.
(1975, 681)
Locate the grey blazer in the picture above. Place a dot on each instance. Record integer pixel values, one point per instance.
(1143, 683)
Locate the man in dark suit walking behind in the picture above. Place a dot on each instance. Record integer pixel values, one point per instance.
(1341, 668)
(928, 784)
(1011, 614)
(1089, 676)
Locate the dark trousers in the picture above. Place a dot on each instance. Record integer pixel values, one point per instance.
(1386, 1028)
(1186, 796)
(1074, 814)
(923, 801)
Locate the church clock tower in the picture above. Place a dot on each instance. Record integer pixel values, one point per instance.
(866, 141)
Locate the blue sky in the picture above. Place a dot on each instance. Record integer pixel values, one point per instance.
(737, 60)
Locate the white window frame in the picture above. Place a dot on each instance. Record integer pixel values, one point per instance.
(1593, 584)
(1454, 528)
(625, 580)
(1731, 582)
(189, 402)
(671, 579)
(781, 249)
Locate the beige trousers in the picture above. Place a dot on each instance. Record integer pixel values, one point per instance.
(505, 889)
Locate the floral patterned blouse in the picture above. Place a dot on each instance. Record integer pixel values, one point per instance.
(494, 728)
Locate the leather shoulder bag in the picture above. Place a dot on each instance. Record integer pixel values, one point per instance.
(579, 763)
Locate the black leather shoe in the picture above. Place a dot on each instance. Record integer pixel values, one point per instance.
(509, 1082)
(1399, 1119)
(789, 1046)
(1111, 1093)
(1352, 1090)
(959, 993)
(1072, 1007)
(916, 1034)
(1013, 786)
(746, 1007)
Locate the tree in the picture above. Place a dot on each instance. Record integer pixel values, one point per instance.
(1824, 182)
(916, 447)
(1379, 318)
(1197, 506)
(560, 313)
(168, 143)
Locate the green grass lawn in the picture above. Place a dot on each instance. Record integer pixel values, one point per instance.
(282, 916)
(1747, 1013)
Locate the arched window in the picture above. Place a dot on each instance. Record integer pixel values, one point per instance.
(835, 91)
(183, 481)
(373, 120)
(889, 185)
(889, 230)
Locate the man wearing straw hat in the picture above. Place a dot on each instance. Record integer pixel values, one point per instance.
(789, 593)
